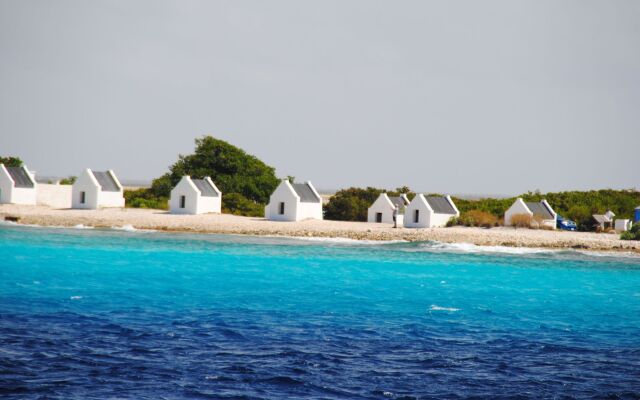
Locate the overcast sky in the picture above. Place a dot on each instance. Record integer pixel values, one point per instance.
(450, 96)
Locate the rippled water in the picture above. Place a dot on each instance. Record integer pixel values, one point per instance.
(104, 314)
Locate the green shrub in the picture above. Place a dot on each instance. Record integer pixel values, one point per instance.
(145, 198)
(632, 234)
(235, 203)
(353, 204)
(453, 221)
(11, 161)
(68, 181)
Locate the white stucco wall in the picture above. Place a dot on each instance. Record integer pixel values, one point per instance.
(24, 195)
(184, 188)
(427, 218)
(622, 225)
(110, 199)
(518, 207)
(283, 193)
(54, 196)
(195, 203)
(551, 223)
(381, 205)
(88, 184)
(9, 194)
(309, 211)
(95, 197)
(425, 212)
(6, 186)
(294, 209)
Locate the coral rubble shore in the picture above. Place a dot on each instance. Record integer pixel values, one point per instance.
(232, 224)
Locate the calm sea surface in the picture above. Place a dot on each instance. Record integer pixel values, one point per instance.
(114, 314)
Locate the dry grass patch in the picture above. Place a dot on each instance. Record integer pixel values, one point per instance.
(521, 221)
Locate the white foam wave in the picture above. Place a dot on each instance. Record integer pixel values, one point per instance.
(82, 226)
(342, 240)
(127, 228)
(624, 254)
(131, 228)
(439, 308)
(75, 297)
(473, 248)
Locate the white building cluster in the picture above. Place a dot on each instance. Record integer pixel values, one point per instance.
(289, 202)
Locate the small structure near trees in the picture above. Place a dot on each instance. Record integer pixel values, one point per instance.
(537, 214)
(97, 189)
(387, 209)
(294, 202)
(430, 211)
(17, 185)
(195, 196)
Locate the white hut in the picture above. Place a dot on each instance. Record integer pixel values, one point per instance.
(534, 209)
(17, 185)
(294, 202)
(97, 189)
(195, 196)
(429, 211)
(603, 221)
(382, 210)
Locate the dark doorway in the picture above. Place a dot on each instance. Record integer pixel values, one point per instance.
(378, 217)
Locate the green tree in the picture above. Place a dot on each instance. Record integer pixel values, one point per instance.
(352, 204)
(231, 168)
(11, 161)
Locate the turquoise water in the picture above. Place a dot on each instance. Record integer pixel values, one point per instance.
(103, 314)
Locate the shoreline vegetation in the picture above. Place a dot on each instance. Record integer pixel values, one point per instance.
(247, 182)
(232, 224)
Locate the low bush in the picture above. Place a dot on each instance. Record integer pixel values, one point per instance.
(144, 198)
(478, 218)
(632, 234)
(235, 203)
(68, 181)
(453, 221)
(521, 221)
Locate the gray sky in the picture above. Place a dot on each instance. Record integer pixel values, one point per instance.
(448, 96)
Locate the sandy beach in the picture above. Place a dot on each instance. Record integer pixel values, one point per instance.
(232, 224)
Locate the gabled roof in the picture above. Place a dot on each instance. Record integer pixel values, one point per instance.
(307, 195)
(539, 209)
(440, 205)
(601, 219)
(20, 177)
(205, 188)
(105, 180)
(398, 201)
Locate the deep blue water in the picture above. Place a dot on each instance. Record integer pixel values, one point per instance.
(104, 314)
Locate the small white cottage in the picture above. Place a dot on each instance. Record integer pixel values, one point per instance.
(603, 222)
(17, 185)
(195, 196)
(382, 210)
(429, 211)
(535, 209)
(97, 189)
(294, 202)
